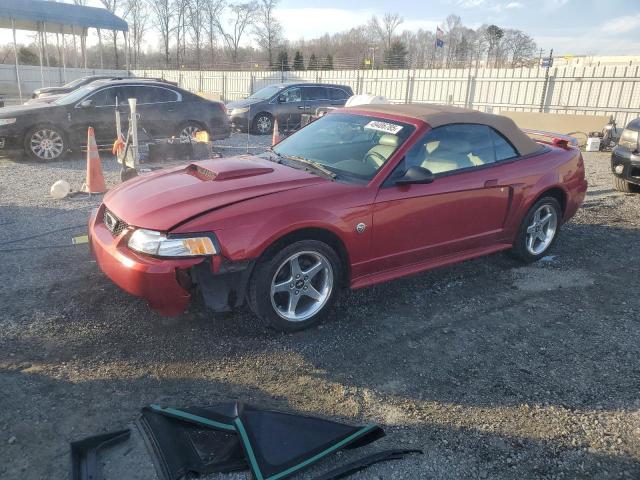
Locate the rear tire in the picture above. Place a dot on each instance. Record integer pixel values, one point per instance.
(622, 185)
(45, 143)
(538, 231)
(187, 131)
(293, 289)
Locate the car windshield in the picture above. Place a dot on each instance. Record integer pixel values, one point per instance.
(76, 95)
(354, 147)
(266, 92)
(75, 83)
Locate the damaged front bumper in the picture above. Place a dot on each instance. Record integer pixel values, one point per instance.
(167, 284)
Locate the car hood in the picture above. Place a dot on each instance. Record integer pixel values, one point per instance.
(44, 100)
(164, 199)
(14, 110)
(247, 102)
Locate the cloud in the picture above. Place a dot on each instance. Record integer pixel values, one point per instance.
(512, 5)
(621, 24)
(312, 22)
(470, 3)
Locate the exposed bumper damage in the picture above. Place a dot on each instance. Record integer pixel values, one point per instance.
(167, 285)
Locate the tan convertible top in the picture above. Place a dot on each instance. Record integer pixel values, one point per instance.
(438, 115)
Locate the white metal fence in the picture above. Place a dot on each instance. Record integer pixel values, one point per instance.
(611, 90)
(32, 77)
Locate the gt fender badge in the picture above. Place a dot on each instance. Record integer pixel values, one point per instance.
(361, 227)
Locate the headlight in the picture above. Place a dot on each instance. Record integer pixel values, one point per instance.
(157, 243)
(629, 139)
(238, 111)
(7, 121)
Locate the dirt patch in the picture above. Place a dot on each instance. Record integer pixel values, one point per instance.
(494, 369)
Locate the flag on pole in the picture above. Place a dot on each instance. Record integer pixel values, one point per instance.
(439, 35)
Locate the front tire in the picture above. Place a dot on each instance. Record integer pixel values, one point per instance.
(621, 185)
(263, 124)
(538, 231)
(293, 289)
(45, 143)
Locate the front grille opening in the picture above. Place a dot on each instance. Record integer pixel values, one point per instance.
(635, 172)
(113, 223)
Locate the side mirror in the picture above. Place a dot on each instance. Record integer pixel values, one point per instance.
(415, 175)
(282, 99)
(86, 103)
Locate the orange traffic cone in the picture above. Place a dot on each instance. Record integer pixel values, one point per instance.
(276, 133)
(95, 178)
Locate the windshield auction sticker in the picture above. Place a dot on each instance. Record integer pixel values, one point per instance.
(384, 127)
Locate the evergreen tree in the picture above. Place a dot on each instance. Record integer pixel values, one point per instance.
(313, 62)
(282, 62)
(328, 63)
(298, 61)
(396, 55)
(27, 57)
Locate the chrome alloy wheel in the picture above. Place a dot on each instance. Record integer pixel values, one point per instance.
(188, 133)
(264, 124)
(46, 144)
(542, 229)
(301, 286)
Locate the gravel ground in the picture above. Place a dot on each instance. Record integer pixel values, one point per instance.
(494, 369)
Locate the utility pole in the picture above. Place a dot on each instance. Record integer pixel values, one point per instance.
(545, 85)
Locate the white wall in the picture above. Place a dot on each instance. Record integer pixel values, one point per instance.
(31, 77)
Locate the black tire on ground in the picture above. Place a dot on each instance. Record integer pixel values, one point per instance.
(45, 143)
(262, 124)
(621, 185)
(259, 294)
(190, 126)
(520, 250)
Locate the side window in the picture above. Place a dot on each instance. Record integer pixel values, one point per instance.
(143, 95)
(337, 94)
(103, 98)
(293, 95)
(163, 95)
(453, 147)
(315, 93)
(504, 150)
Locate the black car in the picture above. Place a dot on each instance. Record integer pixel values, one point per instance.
(286, 102)
(625, 159)
(48, 131)
(71, 86)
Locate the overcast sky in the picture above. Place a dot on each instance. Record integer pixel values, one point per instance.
(578, 27)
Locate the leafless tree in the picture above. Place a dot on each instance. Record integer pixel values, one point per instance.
(241, 17)
(267, 28)
(163, 21)
(213, 12)
(196, 22)
(518, 46)
(137, 14)
(386, 29)
(112, 6)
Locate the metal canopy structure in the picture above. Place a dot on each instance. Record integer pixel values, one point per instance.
(61, 19)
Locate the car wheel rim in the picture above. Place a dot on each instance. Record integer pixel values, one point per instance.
(264, 124)
(301, 286)
(46, 144)
(542, 229)
(188, 133)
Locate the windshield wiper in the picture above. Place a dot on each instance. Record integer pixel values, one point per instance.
(309, 163)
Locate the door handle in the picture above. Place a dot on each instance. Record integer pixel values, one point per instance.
(301, 107)
(491, 183)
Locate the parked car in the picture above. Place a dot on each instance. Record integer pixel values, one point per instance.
(71, 86)
(625, 159)
(360, 196)
(286, 102)
(47, 131)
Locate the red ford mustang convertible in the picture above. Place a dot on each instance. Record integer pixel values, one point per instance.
(361, 196)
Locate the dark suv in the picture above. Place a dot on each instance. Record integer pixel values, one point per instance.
(48, 131)
(625, 159)
(286, 102)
